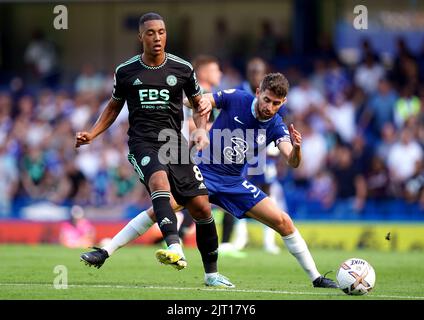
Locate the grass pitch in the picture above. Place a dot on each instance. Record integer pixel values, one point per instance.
(27, 272)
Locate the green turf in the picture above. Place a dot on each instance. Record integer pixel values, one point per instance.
(27, 272)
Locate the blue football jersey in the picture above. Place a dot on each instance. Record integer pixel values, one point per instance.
(237, 137)
(268, 173)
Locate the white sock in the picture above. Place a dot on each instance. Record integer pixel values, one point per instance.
(241, 234)
(135, 228)
(177, 248)
(297, 247)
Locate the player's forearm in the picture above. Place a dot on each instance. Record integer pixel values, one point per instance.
(107, 117)
(200, 121)
(295, 157)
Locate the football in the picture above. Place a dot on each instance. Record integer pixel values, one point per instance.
(356, 277)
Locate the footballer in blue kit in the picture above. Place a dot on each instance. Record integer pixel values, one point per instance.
(244, 127)
(223, 169)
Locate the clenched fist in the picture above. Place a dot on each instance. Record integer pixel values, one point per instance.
(82, 138)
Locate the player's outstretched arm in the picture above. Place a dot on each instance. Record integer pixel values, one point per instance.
(107, 117)
(204, 108)
(292, 151)
(200, 136)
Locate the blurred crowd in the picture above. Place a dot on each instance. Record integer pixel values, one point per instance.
(38, 160)
(362, 127)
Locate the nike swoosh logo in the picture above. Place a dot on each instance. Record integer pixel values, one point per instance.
(256, 195)
(236, 119)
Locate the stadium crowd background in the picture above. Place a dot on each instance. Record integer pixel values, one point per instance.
(362, 125)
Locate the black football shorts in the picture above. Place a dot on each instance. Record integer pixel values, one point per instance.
(184, 177)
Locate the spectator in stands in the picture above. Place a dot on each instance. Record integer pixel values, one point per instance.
(361, 153)
(78, 232)
(302, 98)
(408, 105)
(123, 183)
(89, 81)
(350, 182)
(387, 140)
(6, 121)
(32, 171)
(404, 158)
(368, 74)
(46, 107)
(323, 189)
(367, 49)
(42, 59)
(9, 179)
(317, 78)
(267, 46)
(341, 115)
(72, 188)
(380, 107)
(405, 69)
(414, 186)
(314, 152)
(336, 80)
(378, 180)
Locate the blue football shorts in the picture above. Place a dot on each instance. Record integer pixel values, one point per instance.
(234, 194)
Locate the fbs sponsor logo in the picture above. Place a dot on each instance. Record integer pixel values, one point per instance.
(165, 221)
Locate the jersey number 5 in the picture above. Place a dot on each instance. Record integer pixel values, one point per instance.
(251, 188)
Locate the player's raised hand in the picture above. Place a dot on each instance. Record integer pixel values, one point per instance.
(200, 138)
(205, 106)
(82, 138)
(295, 136)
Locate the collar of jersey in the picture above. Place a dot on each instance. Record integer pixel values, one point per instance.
(252, 108)
(155, 67)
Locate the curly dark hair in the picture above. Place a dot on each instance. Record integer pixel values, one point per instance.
(277, 83)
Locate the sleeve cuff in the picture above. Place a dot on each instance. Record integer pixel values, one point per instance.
(196, 94)
(282, 139)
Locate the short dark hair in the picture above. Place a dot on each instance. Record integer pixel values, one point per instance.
(149, 16)
(277, 83)
(203, 60)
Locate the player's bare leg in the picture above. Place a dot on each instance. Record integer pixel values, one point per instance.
(269, 214)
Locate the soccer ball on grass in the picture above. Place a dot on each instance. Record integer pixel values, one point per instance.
(356, 277)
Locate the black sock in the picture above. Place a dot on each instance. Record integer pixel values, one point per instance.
(207, 243)
(227, 227)
(165, 216)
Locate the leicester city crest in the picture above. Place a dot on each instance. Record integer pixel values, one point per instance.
(171, 80)
(145, 161)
